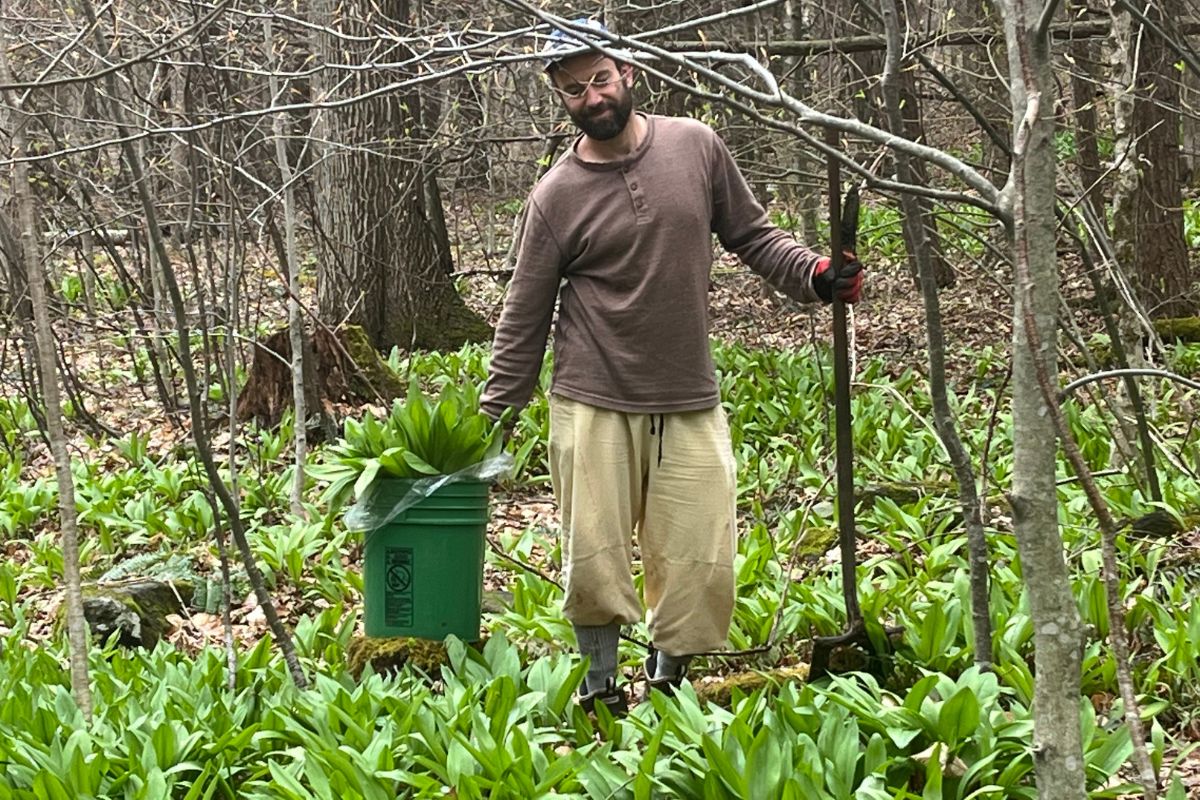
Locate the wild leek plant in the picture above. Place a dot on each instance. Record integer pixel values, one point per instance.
(420, 438)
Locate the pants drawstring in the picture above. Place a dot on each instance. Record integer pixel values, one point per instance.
(662, 429)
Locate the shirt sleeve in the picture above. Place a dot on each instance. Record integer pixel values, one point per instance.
(520, 340)
(743, 228)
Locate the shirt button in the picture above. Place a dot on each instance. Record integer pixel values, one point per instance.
(633, 186)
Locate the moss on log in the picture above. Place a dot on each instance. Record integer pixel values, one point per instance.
(902, 492)
(816, 542)
(722, 692)
(449, 328)
(1178, 329)
(1157, 523)
(371, 372)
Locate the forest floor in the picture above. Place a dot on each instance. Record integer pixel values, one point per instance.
(888, 323)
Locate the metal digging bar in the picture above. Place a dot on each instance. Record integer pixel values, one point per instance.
(843, 232)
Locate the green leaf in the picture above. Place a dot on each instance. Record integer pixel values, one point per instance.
(1110, 756)
(418, 438)
(933, 774)
(370, 470)
(643, 785)
(564, 695)
(959, 716)
(204, 786)
(723, 766)
(419, 464)
(876, 755)
(917, 694)
(285, 780)
(393, 462)
(48, 786)
(764, 765)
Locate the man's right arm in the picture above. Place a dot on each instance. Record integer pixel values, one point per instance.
(520, 340)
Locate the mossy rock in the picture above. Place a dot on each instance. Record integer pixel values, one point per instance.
(1162, 524)
(496, 602)
(1171, 330)
(721, 693)
(134, 610)
(388, 655)
(816, 542)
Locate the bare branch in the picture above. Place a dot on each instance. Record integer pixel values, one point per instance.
(1180, 47)
(169, 45)
(1122, 373)
(774, 96)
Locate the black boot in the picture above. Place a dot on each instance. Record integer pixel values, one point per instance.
(609, 695)
(666, 685)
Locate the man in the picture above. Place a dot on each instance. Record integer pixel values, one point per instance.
(619, 231)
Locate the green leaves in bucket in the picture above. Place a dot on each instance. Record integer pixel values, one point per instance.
(420, 438)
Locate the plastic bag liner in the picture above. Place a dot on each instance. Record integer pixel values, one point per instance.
(367, 514)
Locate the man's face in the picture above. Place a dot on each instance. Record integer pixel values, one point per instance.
(596, 92)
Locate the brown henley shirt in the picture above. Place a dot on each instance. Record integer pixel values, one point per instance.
(626, 247)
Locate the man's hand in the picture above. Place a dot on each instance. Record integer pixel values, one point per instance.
(845, 286)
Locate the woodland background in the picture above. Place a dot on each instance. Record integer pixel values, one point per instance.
(217, 218)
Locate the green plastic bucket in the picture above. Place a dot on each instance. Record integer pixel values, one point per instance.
(423, 571)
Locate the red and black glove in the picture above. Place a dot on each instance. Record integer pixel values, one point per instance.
(845, 286)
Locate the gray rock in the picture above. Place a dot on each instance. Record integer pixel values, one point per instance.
(135, 610)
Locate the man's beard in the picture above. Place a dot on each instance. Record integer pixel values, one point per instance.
(610, 125)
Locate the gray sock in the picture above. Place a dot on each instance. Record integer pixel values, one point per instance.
(666, 666)
(599, 643)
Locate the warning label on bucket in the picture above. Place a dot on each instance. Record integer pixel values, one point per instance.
(398, 574)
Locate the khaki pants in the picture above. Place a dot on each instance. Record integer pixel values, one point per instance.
(670, 477)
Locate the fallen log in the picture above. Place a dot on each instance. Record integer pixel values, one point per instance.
(1178, 329)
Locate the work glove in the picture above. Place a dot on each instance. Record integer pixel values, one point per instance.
(845, 286)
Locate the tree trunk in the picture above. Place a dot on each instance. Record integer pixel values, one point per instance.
(1085, 88)
(1133, 323)
(382, 267)
(1058, 748)
(805, 203)
(1190, 123)
(921, 256)
(292, 271)
(979, 66)
(873, 108)
(199, 418)
(28, 231)
(16, 300)
(913, 127)
(1160, 260)
(16, 297)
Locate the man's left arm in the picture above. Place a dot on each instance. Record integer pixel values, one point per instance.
(742, 226)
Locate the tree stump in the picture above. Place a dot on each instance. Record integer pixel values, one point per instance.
(340, 366)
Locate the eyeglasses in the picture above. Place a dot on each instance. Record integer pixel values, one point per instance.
(578, 90)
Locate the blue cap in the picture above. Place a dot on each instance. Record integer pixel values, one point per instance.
(566, 43)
